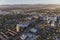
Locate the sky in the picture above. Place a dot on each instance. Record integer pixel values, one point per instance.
(4, 2)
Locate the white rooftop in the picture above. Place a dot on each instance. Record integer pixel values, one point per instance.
(23, 24)
(28, 36)
(23, 37)
(52, 18)
(34, 30)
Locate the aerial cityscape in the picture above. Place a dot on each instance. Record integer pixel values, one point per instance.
(25, 21)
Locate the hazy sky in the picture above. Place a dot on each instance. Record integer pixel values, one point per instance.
(29, 2)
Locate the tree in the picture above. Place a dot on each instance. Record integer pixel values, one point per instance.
(39, 37)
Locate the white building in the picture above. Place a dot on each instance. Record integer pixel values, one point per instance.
(23, 37)
(21, 25)
(29, 18)
(28, 36)
(53, 18)
(34, 30)
(53, 24)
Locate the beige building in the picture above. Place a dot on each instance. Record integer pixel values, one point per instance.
(21, 26)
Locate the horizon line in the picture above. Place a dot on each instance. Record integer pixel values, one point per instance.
(30, 4)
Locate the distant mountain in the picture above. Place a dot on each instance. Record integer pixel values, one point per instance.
(49, 6)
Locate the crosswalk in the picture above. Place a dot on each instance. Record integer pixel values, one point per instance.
(2, 38)
(3, 35)
(12, 31)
